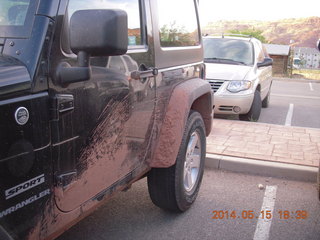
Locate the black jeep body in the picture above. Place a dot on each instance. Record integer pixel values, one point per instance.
(90, 101)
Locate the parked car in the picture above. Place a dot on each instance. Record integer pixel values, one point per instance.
(95, 95)
(296, 63)
(239, 70)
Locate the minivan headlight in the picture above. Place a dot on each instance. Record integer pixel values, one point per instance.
(237, 86)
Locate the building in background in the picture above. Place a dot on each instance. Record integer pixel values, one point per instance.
(307, 58)
(281, 57)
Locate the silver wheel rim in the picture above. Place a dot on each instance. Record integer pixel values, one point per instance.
(192, 162)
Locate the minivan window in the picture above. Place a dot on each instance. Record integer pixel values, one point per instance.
(132, 7)
(260, 53)
(178, 23)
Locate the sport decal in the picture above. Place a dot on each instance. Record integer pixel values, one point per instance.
(16, 190)
(24, 203)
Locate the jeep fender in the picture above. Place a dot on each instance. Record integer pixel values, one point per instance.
(195, 94)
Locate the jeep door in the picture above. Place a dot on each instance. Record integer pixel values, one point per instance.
(101, 127)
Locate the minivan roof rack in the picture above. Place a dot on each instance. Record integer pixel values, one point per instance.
(228, 34)
(236, 35)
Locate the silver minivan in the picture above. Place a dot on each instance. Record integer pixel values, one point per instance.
(239, 70)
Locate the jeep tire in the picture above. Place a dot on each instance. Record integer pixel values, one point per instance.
(176, 188)
(255, 110)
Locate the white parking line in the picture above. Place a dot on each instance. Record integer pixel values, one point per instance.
(295, 96)
(311, 87)
(289, 115)
(264, 224)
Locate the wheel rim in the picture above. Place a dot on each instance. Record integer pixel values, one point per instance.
(192, 162)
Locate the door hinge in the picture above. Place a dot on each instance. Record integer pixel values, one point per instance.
(62, 103)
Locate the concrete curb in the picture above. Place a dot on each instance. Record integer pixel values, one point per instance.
(267, 168)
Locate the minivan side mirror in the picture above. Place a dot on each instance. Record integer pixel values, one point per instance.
(266, 62)
(102, 32)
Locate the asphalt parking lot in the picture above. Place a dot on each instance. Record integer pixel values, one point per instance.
(293, 102)
(223, 210)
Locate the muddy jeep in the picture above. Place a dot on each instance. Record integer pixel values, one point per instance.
(95, 95)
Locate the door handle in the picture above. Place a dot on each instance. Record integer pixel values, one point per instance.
(150, 72)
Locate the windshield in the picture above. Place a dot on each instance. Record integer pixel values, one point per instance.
(16, 17)
(296, 61)
(228, 51)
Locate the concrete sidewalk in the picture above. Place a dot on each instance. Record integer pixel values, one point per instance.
(275, 148)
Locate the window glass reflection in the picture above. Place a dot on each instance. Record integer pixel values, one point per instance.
(178, 23)
(130, 6)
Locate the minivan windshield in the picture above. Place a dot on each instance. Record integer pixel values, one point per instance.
(228, 51)
(16, 17)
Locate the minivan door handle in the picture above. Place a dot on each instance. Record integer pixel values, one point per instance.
(150, 72)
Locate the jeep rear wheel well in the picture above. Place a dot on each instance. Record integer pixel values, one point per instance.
(202, 105)
(190, 95)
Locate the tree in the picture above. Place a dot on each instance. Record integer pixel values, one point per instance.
(174, 35)
(251, 32)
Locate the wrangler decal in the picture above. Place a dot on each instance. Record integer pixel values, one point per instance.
(16, 190)
(24, 203)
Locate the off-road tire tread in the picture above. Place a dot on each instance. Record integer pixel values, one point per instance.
(164, 184)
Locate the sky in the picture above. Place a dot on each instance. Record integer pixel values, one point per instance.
(212, 10)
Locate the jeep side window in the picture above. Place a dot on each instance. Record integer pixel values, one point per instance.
(13, 13)
(132, 7)
(177, 30)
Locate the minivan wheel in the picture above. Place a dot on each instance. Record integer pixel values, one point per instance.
(176, 188)
(318, 181)
(266, 100)
(255, 110)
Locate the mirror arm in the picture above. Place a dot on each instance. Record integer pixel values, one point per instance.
(67, 74)
(83, 59)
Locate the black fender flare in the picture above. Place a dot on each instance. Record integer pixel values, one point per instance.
(195, 94)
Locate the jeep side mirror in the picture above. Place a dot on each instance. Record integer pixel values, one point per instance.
(94, 33)
(266, 62)
(99, 32)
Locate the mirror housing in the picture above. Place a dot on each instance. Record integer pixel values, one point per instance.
(99, 32)
(102, 32)
(266, 62)
(318, 44)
